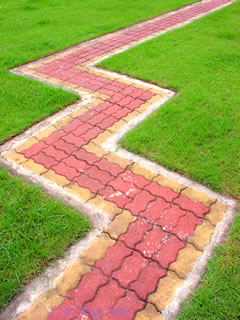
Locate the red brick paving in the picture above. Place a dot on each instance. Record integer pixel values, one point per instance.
(131, 269)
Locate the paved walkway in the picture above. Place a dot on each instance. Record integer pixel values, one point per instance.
(160, 226)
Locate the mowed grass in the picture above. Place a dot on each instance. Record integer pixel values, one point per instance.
(197, 133)
(34, 230)
(30, 29)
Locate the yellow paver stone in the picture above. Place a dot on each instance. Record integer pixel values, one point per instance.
(34, 167)
(55, 81)
(166, 291)
(102, 137)
(131, 116)
(185, 261)
(155, 99)
(79, 112)
(83, 193)
(109, 208)
(120, 224)
(61, 123)
(27, 144)
(144, 107)
(122, 162)
(41, 306)
(216, 213)
(71, 277)
(166, 182)
(198, 196)
(16, 157)
(146, 173)
(45, 133)
(93, 148)
(98, 249)
(117, 126)
(149, 313)
(202, 235)
(56, 178)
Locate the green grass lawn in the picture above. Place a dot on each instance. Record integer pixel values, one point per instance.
(35, 229)
(197, 133)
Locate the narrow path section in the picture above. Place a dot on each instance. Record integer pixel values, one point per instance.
(159, 227)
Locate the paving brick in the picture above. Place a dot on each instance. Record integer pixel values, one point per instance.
(45, 133)
(186, 226)
(139, 203)
(66, 311)
(66, 147)
(78, 113)
(83, 193)
(45, 160)
(163, 192)
(109, 208)
(98, 151)
(146, 95)
(148, 280)
(170, 218)
(92, 184)
(113, 168)
(166, 182)
(27, 144)
(107, 123)
(90, 158)
(103, 176)
(168, 251)
(66, 171)
(124, 187)
(63, 122)
(198, 196)
(55, 153)
(166, 291)
(131, 116)
(120, 224)
(185, 261)
(138, 180)
(135, 233)
(97, 249)
(216, 213)
(130, 269)
(79, 165)
(106, 298)
(126, 308)
(186, 204)
(71, 277)
(58, 179)
(102, 137)
(76, 141)
(117, 126)
(54, 137)
(16, 157)
(113, 258)
(149, 313)
(119, 198)
(152, 242)
(87, 287)
(34, 167)
(82, 128)
(202, 235)
(155, 210)
(139, 170)
(34, 149)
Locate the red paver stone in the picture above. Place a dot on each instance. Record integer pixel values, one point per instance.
(76, 141)
(66, 171)
(81, 129)
(98, 118)
(186, 204)
(119, 198)
(163, 192)
(130, 177)
(171, 218)
(128, 188)
(34, 149)
(186, 226)
(130, 269)
(107, 123)
(90, 183)
(116, 98)
(92, 133)
(155, 210)
(77, 164)
(113, 258)
(137, 93)
(135, 104)
(152, 242)
(125, 101)
(112, 109)
(66, 311)
(112, 168)
(139, 203)
(148, 280)
(103, 106)
(45, 160)
(135, 233)
(106, 298)
(55, 136)
(90, 158)
(103, 176)
(88, 115)
(126, 308)
(147, 95)
(87, 287)
(66, 147)
(55, 153)
(169, 251)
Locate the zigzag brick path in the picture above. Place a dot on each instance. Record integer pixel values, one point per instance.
(159, 228)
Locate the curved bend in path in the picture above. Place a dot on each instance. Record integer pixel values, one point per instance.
(155, 228)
